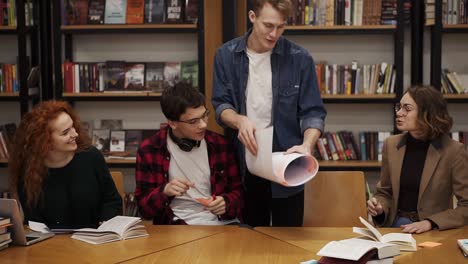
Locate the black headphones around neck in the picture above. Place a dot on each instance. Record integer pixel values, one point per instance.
(185, 144)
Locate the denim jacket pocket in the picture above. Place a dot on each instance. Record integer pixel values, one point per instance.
(289, 91)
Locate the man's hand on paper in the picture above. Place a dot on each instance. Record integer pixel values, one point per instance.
(177, 187)
(417, 227)
(374, 207)
(247, 133)
(303, 149)
(217, 206)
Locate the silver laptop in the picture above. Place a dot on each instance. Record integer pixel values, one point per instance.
(10, 208)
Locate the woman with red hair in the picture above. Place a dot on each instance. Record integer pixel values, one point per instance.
(55, 173)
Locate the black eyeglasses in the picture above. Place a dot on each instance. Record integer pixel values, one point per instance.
(195, 121)
(406, 107)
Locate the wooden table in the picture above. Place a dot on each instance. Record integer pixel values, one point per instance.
(63, 249)
(313, 239)
(448, 252)
(234, 246)
(221, 244)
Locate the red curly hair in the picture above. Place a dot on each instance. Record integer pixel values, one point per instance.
(32, 143)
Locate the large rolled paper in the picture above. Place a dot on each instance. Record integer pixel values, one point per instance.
(286, 169)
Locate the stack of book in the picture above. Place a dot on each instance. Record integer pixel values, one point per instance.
(5, 236)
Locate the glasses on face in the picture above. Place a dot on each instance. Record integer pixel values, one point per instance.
(406, 108)
(197, 120)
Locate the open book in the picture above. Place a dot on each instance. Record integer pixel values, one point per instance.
(355, 248)
(406, 242)
(117, 228)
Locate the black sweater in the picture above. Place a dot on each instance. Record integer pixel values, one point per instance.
(81, 194)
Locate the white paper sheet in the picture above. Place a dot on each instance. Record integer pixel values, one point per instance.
(288, 170)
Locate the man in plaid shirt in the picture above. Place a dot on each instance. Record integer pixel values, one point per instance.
(186, 174)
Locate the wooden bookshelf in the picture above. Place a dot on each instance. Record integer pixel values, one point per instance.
(129, 28)
(341, 27)
(9, 95)
(456, 96)
(3, 162)
(358, 98)
(324, 165)
(455, 28)
(113, 94)
(365, 165)
(366, 29)
(7, 29)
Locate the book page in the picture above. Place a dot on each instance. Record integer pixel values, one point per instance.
(119, 224)
(337, 249)
(365, 232)
(405, 241)
(372, 229)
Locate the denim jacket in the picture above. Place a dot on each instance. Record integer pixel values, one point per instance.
(297, 104)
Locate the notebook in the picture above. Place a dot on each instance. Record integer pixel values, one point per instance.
(10, 208)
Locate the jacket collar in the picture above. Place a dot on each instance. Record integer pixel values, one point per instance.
(242, 45)
(436, 143)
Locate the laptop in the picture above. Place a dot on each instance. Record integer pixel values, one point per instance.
(10, 208)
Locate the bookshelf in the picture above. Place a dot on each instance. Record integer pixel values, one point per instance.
(84, 43)
(26, 57)
(438, 31)
(305, 34)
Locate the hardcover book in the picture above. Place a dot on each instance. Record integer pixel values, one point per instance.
(100, 139)
(117, 141)
(96, 11)
(154, 77)
(174, 11)
(135, 11)
(115, 12)
(133, 139)
(171, 73)
(114, 76)
(191, 11)
(189, 72)
(134, 77)
(154, 11)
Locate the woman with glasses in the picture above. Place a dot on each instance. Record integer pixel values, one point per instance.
(422, 168)
(186, 174)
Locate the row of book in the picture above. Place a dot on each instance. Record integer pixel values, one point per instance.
(8, 78)
(109, 136)
(347, 12)
(5, 236)
(453, 11)
(342, 145)
(7, 132)
(82, 12)
(121, 76)
(8, 12)
(453, 83)
(460, 136)
(355, 78)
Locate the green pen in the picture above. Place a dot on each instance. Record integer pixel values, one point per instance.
(368, 190)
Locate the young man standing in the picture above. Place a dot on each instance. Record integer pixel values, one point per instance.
(186, 174)
(262, 79)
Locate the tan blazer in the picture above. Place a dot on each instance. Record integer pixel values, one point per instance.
(445, 174)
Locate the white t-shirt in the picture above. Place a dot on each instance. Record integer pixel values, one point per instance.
(259, 89)
(192, 166)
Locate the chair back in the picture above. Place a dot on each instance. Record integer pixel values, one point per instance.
(335, 198)
(117, 176)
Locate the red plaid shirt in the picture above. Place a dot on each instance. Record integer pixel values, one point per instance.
(152, 175)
